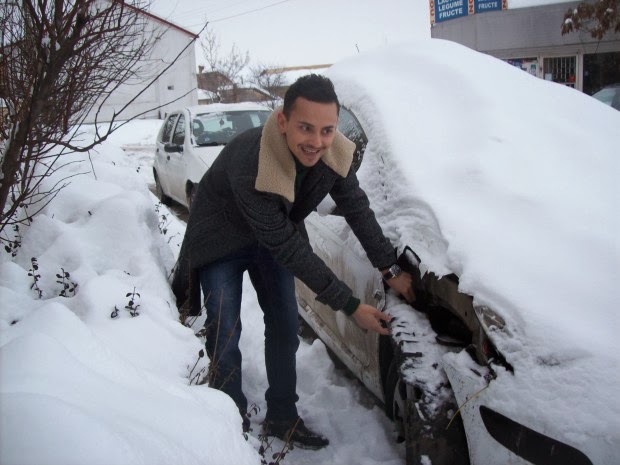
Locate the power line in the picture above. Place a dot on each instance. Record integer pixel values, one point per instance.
(249, 11)
(243, 13)
(194, 12)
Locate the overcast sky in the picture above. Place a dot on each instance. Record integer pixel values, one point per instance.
(306, 32)
(301, 32)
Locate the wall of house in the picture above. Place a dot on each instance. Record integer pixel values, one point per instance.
(176, 87)
(531, 38)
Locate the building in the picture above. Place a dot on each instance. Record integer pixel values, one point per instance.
(288, 75)
(530, 38)
(215, 87)
(175, 87)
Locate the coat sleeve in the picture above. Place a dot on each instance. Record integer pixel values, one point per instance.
(268, 218)
(353, 204)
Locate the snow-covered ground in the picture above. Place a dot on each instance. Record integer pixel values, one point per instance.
(78, 386)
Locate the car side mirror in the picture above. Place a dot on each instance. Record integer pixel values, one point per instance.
(173, 148)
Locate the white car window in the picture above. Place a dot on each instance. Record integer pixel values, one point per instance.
(179, 131)
(220, 128)
(352, 129)
(167, 129)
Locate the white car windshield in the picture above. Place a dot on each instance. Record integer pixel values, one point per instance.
(220, 128)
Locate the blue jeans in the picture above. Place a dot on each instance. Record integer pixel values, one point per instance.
(222, 283)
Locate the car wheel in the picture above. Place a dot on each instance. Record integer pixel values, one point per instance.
(159, 191)
(425, 430)
(396, 399)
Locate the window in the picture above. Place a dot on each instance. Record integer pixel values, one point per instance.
(221, 128)
(529, 65)
(352, 129)
(167, 129)
(600, 70)
(561, 70)
(179, 131)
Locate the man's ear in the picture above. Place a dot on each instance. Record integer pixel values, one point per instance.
(282, 122)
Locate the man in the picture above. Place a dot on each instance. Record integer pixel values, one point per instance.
(248, 216)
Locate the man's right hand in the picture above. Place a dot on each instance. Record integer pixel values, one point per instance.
(368, 317)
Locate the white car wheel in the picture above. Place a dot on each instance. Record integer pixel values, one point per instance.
(159, 191)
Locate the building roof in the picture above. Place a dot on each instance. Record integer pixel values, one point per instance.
(164, 21)
(291, 73)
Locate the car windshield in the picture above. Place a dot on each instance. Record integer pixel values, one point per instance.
(220, 128)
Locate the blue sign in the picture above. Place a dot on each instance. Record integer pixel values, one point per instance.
(450, 9)
(482, 6)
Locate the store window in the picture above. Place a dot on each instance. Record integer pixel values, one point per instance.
(561, 70)
(600, 70)
(529, 65)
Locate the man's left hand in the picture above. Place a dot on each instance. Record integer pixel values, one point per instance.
(403, 285)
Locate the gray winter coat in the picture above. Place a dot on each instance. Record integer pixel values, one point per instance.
(248, 195)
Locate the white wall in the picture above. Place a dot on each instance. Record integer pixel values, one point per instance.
(528, 3)
(178, 81)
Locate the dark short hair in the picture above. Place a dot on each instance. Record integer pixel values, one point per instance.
(313, 87)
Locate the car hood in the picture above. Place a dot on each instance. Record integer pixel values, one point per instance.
(204, 158)
(510, 182)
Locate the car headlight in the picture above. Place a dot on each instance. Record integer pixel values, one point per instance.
(489, 319)
(490, 322)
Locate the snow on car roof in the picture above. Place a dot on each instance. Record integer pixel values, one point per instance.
(511, 182)
(217, 107)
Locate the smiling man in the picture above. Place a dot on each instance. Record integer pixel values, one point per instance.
(248, 215)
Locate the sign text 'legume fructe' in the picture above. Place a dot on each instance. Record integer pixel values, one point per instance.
(443, 10)
(482, 6)
(449, 9)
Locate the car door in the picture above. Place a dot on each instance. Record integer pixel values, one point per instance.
(176, 160)
(161, 156)
(332, 240)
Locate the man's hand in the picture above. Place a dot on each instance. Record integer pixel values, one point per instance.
(368, 317)
(402, 285)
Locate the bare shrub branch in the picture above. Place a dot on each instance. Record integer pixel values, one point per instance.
(227, 70)
(269, 78)
(59, 63)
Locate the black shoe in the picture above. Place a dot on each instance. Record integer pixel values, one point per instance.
(295, 432)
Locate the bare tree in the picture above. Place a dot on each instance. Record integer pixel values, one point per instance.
(226, 69)
(269, 78)
(596, 18)
(60, 60)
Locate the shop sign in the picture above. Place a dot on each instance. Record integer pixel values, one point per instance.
(482, 6)
(443, 10)
(449, 9)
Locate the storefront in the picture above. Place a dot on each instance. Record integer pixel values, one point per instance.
(531, 39)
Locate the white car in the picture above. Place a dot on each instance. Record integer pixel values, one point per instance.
(500, 191)
(609, 95)
(191, 138)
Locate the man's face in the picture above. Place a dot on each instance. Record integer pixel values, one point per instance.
(309, 130)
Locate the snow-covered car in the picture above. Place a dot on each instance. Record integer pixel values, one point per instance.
(500, 191)
(609, 95)
(191, 138)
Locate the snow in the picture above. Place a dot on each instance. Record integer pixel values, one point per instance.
(514, 177)
(87, 388)
(521, 175)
